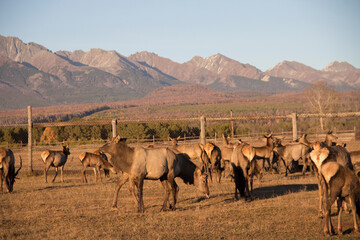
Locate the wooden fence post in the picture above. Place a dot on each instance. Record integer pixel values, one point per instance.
(232, 124)
(294, 126)
(203, 130)
(113, 124)
(29, 139)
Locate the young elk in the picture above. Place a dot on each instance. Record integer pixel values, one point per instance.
(55, 159)
(96, 161)
(339, 182)
(7, 169)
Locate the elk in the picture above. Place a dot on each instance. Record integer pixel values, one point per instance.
(196, 152)
(55, 159)
(303, 139)
(292, 152)
(7, 169)
(339, 183)
(214, 154)
(266, 152)
(97, 162)
(243, 163)
(162, 164)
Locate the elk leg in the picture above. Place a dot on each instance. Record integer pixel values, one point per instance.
(354, 212)
(46, 169)
(166, 194)
(340, 209)
(62, 173)
(140, 186)
(124, 178)
(98, 171)
(1, 179)
(84, 175)
(174, 189)
(56, 172)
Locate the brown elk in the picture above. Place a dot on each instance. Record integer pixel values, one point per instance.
(55, 159)
(7, 169)
(339, 183)
(214, 154)
(336, 154)
(266, 152)
(161, 164)
(243, 163)
(303, 139)
(195, 151)
(292, 152)
(97, 162)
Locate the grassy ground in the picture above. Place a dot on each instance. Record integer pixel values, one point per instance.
(283, 208)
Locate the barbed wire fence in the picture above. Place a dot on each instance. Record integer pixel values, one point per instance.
(46, 134)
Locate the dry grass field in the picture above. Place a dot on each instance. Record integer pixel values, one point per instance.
(283, 208)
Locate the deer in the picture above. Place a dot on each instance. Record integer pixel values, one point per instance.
(55, 159)
(7, 169)
(97, 161)
(339, 183)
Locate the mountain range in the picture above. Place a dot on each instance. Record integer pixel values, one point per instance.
(31, 74)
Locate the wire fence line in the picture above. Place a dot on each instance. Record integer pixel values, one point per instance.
(202, 120)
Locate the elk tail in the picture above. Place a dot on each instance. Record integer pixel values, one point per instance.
(17, 172)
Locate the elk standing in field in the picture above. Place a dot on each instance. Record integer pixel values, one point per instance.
(161, 164)
(339, 183)
(266, 152)
(97, 162)
(243, 163)
(7, 169)
(55, 159)
(214, 154)
(195, 151)
(292, 152)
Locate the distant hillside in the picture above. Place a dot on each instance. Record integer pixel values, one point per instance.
(32, 74)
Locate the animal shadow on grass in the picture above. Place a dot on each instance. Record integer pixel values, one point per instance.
(275, 191)
(281, 190)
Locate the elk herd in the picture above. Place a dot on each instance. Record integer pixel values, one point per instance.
(198, 164)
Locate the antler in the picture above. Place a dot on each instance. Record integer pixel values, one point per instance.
(19, 167)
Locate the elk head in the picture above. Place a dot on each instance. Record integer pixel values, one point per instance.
(10, 179)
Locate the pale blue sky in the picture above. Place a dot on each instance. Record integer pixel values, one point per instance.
(259, 32)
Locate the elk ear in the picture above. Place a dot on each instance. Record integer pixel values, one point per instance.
(117, 139)
(178, 138)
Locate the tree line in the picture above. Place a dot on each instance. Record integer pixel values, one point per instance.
(163, 130)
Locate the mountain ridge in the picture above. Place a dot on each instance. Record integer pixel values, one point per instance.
(65, 77)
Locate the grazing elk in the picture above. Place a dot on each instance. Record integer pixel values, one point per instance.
(292, 152)
(55, 159)
(97, 162)
(7, 169)
(339, 183)
(243, 163)
(161, 164)
(195, 151)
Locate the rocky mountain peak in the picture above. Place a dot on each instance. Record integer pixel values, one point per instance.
(339, 67)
